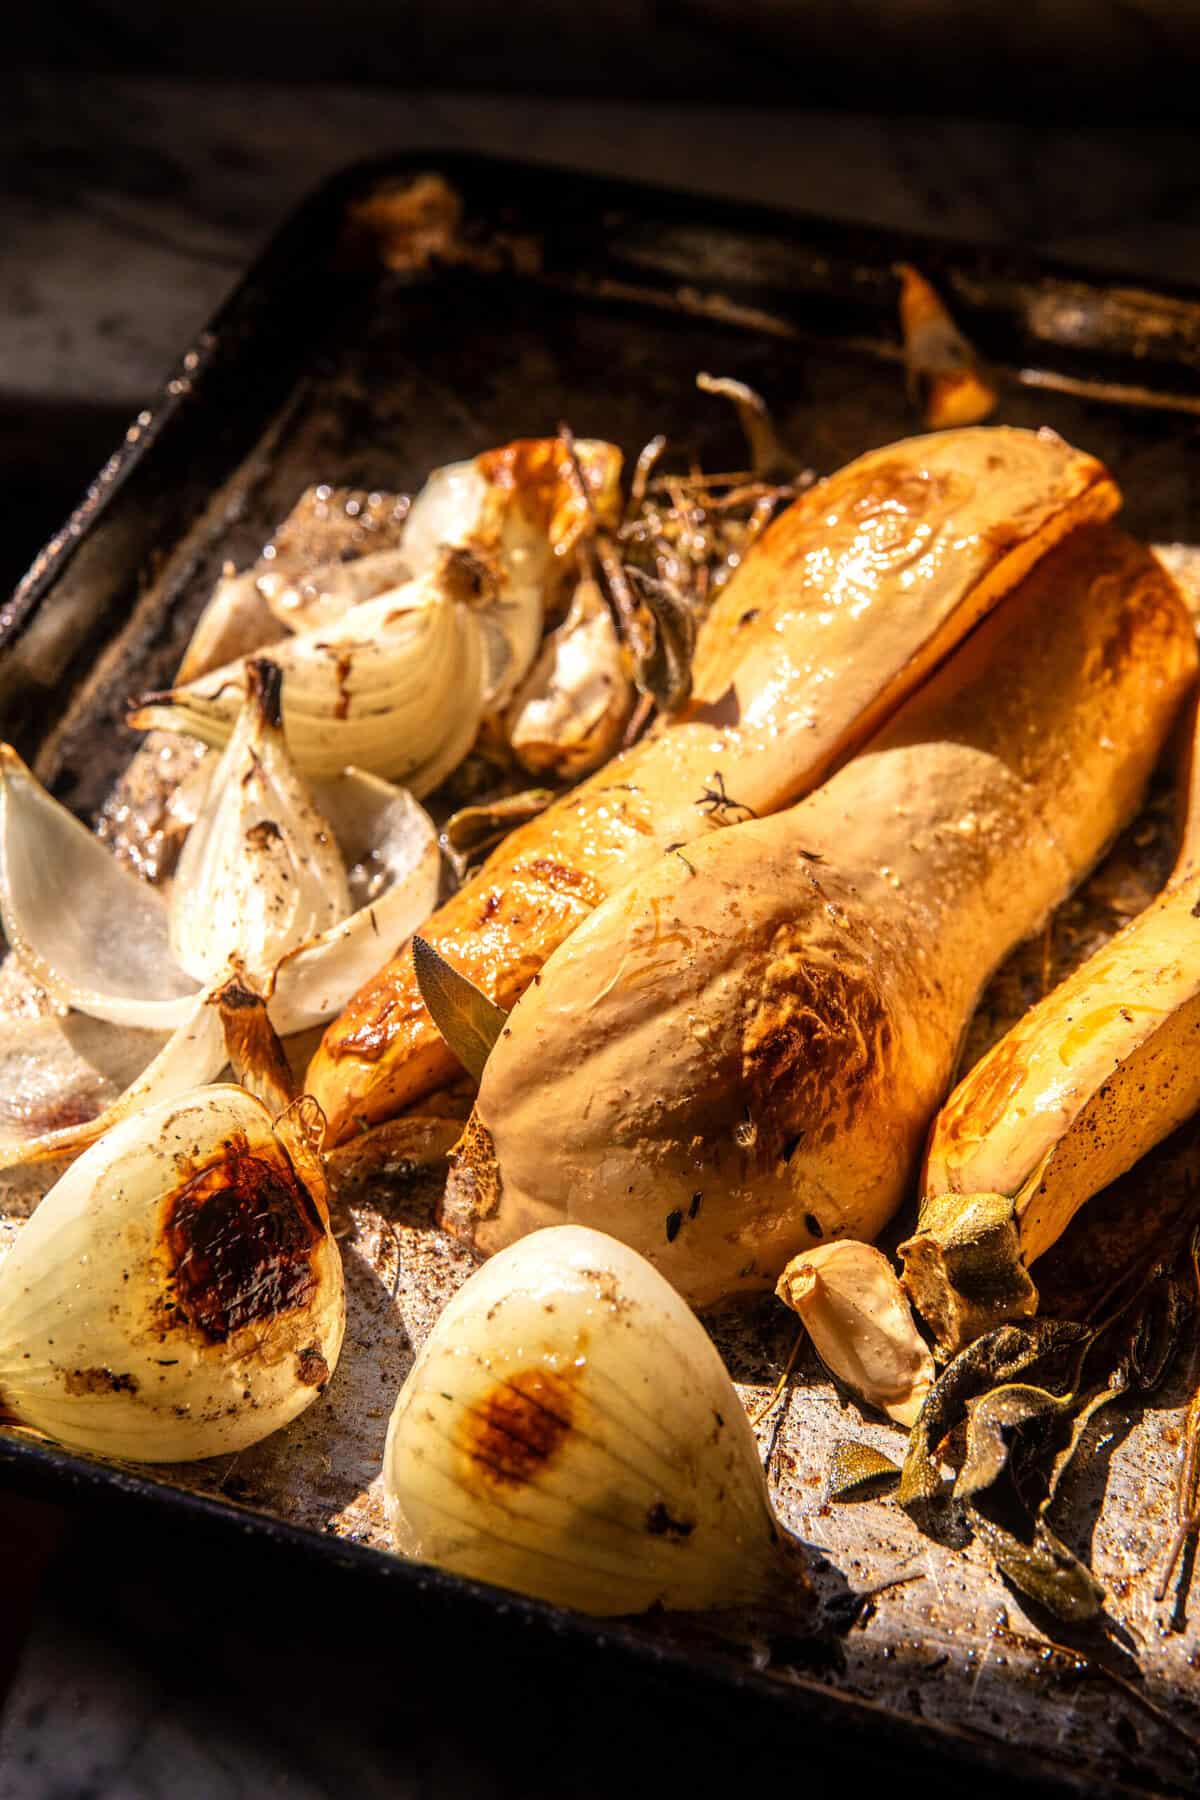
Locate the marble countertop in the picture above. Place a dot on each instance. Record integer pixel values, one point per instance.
(129, 209)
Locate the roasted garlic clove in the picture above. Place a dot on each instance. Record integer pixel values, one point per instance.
(849, 1300)
(260, 871)
(569, 714)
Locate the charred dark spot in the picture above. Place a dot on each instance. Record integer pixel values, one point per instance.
(514, 1432)
(311, 1368)
(748, 617)
(265, 679)
(237, 997)
(490, 907)
(472, 575)
(813, 1225)
(342, 676)
(791, 1145)
(98, 1381)
(674, 1221)
(564, 880)
(260, 836)
(1196, 910)
(242, 1236)
(694, 1205)
(659, 1523)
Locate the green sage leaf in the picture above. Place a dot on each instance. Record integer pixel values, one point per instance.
(466, 1018)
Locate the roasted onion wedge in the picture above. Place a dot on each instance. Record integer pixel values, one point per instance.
(398, 683)
(738, 1056)
(266, 890)
(839, 612)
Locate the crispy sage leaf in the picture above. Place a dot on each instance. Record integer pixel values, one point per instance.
(666, 673)
(859, 1472)
(466, 1018)
(991, 1418)
(1017, 1452)
(470, 833)
(1043, 1568)
(992, 1360)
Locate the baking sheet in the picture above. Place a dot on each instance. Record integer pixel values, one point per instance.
(371, 376)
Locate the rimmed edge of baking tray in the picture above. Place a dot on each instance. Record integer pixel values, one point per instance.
(848, 270)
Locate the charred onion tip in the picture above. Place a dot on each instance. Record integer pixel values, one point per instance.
(235, 995)
(139, 702)
(265, 682)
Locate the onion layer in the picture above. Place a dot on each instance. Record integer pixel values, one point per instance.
(570, 1431)
(178, 1292)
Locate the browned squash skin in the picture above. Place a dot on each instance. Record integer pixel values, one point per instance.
(841, 610)
(738, 1055)
(1097, 1073)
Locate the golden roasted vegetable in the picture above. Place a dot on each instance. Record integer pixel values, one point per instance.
(837, 614)
(1090, 1079)
(739, 1054)
(569, 1430)
(849, 1300)
(943, 369)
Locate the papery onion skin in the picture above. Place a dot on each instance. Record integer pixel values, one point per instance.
(178, 1293)
(570, 1431)
(84, 926)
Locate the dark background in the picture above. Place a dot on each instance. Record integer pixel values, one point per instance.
(1072, 58)
(146, 152)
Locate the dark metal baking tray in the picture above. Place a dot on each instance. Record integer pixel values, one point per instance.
(386, 330)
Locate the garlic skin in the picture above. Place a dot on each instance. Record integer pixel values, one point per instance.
(569, 1431)
(570, 712)
(850, 1301)
(178, 1293)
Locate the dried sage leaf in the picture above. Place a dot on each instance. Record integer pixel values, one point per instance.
(665, 673)
(466, 1018)
(472, 831)
(1044, 1568)
(859, 1472)
(991, 1417)
(990, 1362)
